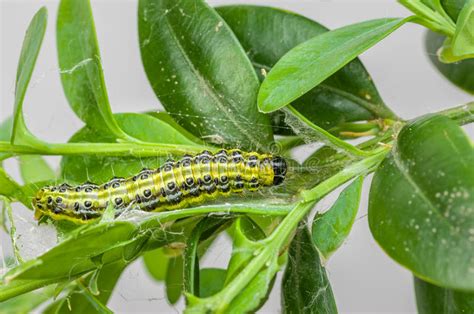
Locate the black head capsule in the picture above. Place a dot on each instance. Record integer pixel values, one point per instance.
(279, 170)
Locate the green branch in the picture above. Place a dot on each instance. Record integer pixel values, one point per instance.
(273, 244)
(463, 114)
(328, 137)
(103, 149)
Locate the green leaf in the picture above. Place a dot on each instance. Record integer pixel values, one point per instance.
(26, 303)
(431, 299)
(421, 202)
(174, 279)
(100, 169)
(211, 281)
(6, 128)
(83, 248)
(156, 262)
(460, 73)
(331, 228)
(245, 233)
(310, 63)
(81, 67)
(453, 7)
(34, 168)
(463, 40)
(6, 207)
(254, 295)
(166, 118)
(191, 74)
(318, 133)
(305, 286)
(118, 240)
(29, 53)
(81, 300)
(11, 189)
(347, 95)
(191, 260)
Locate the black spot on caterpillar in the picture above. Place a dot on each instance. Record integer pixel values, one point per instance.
(176, 184)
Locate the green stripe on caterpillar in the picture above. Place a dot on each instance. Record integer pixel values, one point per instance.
(176, 184)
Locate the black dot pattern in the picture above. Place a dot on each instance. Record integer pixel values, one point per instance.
(176, 184)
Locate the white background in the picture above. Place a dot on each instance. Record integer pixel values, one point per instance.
(363, 278)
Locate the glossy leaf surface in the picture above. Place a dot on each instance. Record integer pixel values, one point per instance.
(460, 73)
(421, 202)
(310, 63)
(174, 279)
(200, 73)
(211, 281)
(331, 228)
(29, 53)
(156, 262)
(81, 67)
(431, 299)
(306, 288)
(348, 95)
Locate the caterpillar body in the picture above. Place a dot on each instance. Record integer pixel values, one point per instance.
(176, 184)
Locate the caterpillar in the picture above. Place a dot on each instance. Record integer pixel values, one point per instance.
(176, 184)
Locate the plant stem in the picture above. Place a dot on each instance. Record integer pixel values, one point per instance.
(220, 301)
(158, 219)
(463, 114)
(328, 137)
(104, 149)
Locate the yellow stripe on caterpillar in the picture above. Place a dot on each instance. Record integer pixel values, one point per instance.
(174, 185)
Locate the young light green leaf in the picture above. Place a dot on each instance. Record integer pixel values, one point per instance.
(34, 168)
(305, 286)
(211, 281)
(310, 63)
(191, 260)
(81, 67)
(348, 95)
(6, 128)
(256, 291)
(322, 134)
(460, 73)
(6, 205)
(244, 234)
(254, 295)
(26, 303)
(331, 228)
(463, 40)
(421, 202)
(156, 263)
(174, 279)
(191, 74)
(29, 53)
(11, 189)
(431, 299)
(80, 300)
